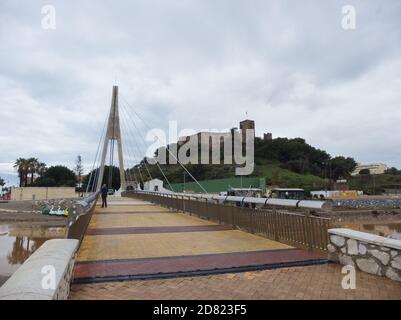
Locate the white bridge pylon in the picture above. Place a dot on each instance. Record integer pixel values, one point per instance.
(113, 133)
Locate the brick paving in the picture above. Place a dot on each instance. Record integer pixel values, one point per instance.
(119, 245)
(142, 268)
(300, 283)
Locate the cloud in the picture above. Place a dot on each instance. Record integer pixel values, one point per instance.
(288, 64)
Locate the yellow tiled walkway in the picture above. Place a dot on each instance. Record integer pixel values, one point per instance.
(145, 220)
(133, 246)
(129, 208)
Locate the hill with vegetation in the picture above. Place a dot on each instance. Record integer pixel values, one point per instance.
(374, 184)
(282, 162)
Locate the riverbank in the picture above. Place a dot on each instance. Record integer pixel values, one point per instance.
(23, 211)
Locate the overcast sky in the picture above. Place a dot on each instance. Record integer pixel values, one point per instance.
(289, 64)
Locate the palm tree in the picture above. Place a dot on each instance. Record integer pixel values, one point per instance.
(32, 165)
(21, 164)
(41, 168)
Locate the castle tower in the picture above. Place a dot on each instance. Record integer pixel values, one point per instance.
(246, 125)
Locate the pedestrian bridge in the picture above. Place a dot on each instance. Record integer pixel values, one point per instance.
(136, 239)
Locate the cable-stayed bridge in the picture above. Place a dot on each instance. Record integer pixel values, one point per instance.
(159, 234)
(153, 234)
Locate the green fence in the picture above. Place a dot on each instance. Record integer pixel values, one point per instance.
(219, 185)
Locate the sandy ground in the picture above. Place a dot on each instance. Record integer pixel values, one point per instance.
(16, 205)
(32, 218)
(21, 211)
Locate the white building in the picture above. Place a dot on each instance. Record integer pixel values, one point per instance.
(374, 168)
(154, 185)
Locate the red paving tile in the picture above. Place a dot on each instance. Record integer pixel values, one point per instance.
(142, 230)
(312, 282)
(109, 269)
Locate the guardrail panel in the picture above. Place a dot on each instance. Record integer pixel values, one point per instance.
(290, 228)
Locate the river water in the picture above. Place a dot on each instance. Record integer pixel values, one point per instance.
(18, 242)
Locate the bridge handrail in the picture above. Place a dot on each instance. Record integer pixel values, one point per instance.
(80, 221)
(304, 204)
(292, 228)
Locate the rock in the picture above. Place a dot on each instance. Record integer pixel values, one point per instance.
(346, 260)
(393, 253)
(368, 265)
(383, 257)
(331, 248)
(344, 250)
(393, 275)
(352, 246)
(337, 240)
(384, 249)
(362, 249)
(396, 263)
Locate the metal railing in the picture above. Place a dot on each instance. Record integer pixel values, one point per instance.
(78, 222)
(254, 201)
(294, 229)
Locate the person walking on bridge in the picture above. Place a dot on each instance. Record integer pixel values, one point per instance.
(104, 196)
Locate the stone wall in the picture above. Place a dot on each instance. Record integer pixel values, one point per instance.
(368, 203)
(42, 193)
(367, 252)
(27, 283)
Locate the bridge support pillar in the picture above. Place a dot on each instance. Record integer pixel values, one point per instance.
(113, 133)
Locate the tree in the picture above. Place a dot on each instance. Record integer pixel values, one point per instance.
(393, 171)
(41, 168)
(79, 170)
(56, 176)
(2, 182)
(32, 167)
(22, 165)
(26, 167)
(341, 167)
(364, 171)
(91, 178)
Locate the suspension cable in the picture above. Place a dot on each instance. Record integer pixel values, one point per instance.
(135, 141)
(144, 145)
(132, 154)
(168, 149)
(96, 156)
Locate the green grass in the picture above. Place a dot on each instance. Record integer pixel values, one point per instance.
(285, 178)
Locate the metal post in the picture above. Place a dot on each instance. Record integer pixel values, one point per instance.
(275, 222)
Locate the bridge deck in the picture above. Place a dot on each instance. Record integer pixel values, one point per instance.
(134, 239)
